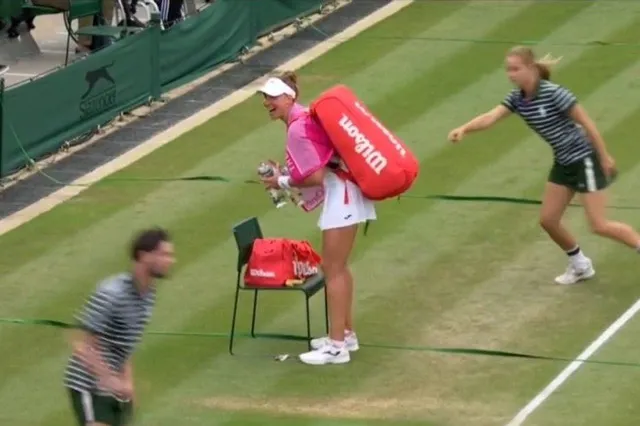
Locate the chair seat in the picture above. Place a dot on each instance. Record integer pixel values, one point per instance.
(42, 10)
(311, 286)
(107, 31)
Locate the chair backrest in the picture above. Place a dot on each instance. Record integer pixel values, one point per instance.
(245, 233)
(81, 8)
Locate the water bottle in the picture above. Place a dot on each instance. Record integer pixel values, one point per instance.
(278, 197)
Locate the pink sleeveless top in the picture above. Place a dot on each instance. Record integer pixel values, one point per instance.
(308, 150)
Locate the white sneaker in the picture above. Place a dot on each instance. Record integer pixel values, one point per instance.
(576, 273)
(350, 342)
(327, 354)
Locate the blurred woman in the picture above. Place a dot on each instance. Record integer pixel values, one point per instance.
(581, 164)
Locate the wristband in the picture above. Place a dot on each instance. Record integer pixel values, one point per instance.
(284, 182)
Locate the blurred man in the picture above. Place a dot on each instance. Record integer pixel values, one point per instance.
(99, 374)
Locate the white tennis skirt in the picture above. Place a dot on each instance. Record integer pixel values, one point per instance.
(338, 214)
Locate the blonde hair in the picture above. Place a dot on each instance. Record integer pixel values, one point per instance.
(543, 65)
(290, 79)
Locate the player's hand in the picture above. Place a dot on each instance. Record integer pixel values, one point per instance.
(111, 383)
(456, 134)
(271, 182)
(117, 386)
(274, 164)
(609, 166)
(126, 390)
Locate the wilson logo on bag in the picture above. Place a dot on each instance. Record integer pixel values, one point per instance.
(377, 160)
(275, 261)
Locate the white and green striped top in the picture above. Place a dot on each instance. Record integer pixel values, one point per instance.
(116, 313)
(547, 113)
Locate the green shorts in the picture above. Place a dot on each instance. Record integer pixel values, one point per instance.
(91, 408)
(584, 175)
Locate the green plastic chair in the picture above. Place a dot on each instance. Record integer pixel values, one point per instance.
(245, 233)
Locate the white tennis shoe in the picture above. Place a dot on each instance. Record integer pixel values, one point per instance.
(576, 272)
(327, 354)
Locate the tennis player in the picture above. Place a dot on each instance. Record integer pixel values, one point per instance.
(581, 164)
(99, 374)
(312, 163)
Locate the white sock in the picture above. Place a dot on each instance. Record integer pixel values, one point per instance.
(576, 256)
(351, 333)
(337, 344)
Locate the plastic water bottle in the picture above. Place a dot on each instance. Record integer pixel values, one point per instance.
(278, 197)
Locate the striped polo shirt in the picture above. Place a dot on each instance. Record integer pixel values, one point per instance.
(547, 113)
(116, 313)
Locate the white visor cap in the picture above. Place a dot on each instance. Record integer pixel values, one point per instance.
(275, 87)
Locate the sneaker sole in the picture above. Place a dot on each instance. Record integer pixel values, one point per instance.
(582, 278)
(334, 361)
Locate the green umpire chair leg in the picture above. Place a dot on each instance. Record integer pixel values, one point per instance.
(233, 321)
(306, 299)
(255, 313)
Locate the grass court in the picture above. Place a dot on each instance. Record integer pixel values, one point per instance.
(435, 273)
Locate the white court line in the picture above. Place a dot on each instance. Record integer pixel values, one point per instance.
(49, 202)
(573, 367)
(19, 74)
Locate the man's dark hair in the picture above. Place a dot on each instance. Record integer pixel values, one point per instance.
(147, 241)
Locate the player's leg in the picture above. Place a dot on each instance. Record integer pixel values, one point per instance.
(595, 208)
(343, 210)
(349, 327)
(555, 200)
(350, 337)
(365, 211)
(337, 244)
(336, 248)
(559, 192)
(594, 199)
